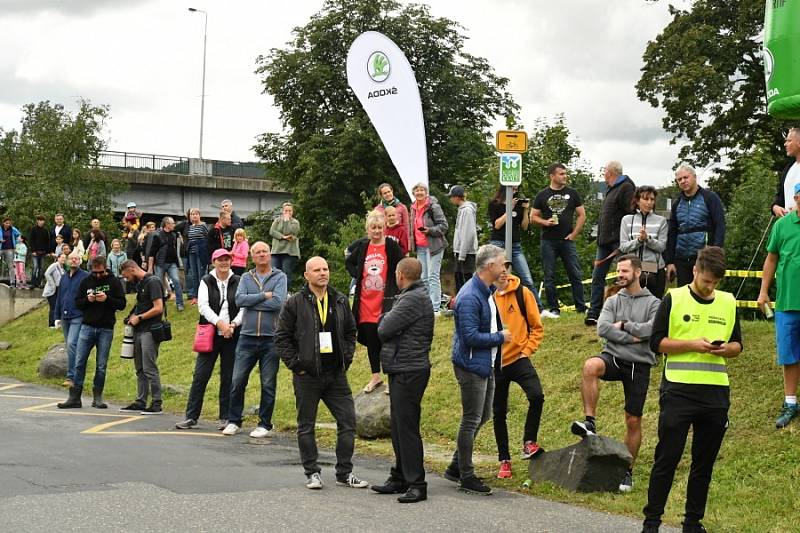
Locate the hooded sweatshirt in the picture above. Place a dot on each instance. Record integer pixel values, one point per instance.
(260, 313)
(637, 312)
(526, 336)
(100, 314)
(465, 239)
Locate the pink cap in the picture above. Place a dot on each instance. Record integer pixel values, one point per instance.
(220, 253)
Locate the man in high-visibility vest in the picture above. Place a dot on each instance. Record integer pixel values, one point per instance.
(697, 330)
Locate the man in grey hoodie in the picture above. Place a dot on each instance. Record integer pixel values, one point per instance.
(625, 324)
(465, 239)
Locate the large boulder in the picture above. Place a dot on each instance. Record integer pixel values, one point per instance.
(373, 419)
(596, 463)
(54, 362)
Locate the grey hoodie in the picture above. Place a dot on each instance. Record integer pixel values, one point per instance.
(465, 239)
(638, 311)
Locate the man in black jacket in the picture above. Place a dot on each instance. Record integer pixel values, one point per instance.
(39, 245)
(316, 338)
(163, 257)
(406, 333)
(99, 296)
(616, 204)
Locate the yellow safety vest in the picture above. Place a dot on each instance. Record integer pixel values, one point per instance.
(691, 320)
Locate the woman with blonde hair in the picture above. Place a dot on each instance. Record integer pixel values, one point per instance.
(239, 252)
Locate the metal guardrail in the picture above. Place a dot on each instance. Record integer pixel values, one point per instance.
(177, 165)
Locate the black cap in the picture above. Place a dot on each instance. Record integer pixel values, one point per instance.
(456, 190)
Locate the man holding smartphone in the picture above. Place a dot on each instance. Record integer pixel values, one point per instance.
(697, 329)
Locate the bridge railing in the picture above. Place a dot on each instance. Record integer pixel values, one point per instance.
(178, 165)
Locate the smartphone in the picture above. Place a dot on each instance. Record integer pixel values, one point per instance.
(717, 343)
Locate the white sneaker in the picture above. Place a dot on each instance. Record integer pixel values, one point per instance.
(353, 482)
(231, 429)
(314, 481)
(260, 432)
(549, 314)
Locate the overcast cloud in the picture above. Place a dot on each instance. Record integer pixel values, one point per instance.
(144, 59)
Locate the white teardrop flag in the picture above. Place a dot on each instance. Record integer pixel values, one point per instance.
(384, 83)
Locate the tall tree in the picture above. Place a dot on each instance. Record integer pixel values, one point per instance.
(328, 153)
(705, 71)
(49, 165)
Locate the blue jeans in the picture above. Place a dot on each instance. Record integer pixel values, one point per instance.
(71, 329)
(431, 265)
(88, 337)
(249, 351)
(599, 279)
(172, 271)
(285, 263)
(37, 272)
(196, 266)
(566, 250)
(520, 266)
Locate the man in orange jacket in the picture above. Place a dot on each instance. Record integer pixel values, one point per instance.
(520, 315)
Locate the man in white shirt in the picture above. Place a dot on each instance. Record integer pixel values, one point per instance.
(784, 195)
(216, 299)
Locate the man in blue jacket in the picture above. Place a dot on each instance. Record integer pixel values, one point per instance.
(476, 349)
(261, 294)
(69, 316)
(697, 220)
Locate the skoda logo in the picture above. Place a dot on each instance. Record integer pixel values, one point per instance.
(378, 67)
(769, 64)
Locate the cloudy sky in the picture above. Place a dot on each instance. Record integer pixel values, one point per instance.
(144, 59)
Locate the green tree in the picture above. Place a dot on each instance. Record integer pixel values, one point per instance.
(705, 71)
(49, 166)
(328, 153)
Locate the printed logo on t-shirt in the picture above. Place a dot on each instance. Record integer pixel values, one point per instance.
(373, 268)
(558, 203)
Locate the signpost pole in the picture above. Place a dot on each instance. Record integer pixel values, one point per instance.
(509, 219)
(510, 144)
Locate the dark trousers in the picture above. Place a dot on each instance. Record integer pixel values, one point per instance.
(368, 336)
(708, 426)
(405, 394)
(285, 263)
(684, 270)
(37, 272)
(334, 390)
(51, 301)
(656, 282)
(203, 368)
(522, 373)
(464, 270)
(567, 251)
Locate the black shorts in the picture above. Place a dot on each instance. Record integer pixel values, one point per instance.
(635, 378)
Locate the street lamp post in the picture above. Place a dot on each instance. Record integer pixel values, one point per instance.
(203, 90)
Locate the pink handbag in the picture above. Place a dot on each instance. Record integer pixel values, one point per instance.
(204, 338)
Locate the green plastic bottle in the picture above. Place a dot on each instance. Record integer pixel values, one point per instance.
(782, 58)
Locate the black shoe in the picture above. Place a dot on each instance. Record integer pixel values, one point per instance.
(473, 485)
(650, 528)
(152, 410)
(590, 321)
(189, 423)
(694, 527)
(583, 428)
(452, 473)
(414, 495)
(74, 399)
(135, 407)
(97, 401)
(391, 486)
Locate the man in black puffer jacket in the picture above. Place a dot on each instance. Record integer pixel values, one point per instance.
(406, 333)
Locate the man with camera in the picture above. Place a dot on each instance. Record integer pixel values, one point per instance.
(99, 296)
(144, 315)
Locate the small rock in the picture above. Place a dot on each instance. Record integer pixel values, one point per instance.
(251, 410)
(595, 464)
(172, 390)
(373, 419)
(5, 345)
(54, 363)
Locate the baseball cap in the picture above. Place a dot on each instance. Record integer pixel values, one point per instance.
(797, 188)
(130, 204)
(456, 190)
(220, 253)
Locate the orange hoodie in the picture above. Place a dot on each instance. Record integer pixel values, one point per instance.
(523, 343)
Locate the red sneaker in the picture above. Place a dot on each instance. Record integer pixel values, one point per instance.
(531, 449)
(194, 301)
(505, 470)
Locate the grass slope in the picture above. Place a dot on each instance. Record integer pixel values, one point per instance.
(755, 480)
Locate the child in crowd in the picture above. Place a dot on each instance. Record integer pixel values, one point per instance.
(20, 256)
(395, 230)
(132, 216)
(77, 243)
(115, 259)
(239, 251)
(59, 245)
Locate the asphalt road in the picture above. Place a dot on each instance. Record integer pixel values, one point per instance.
(92, 470)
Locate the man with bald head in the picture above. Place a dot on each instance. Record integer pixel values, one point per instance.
(261, 293)
(316, 339)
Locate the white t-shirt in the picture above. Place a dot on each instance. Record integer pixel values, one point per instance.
(792, 178)
(493, 327)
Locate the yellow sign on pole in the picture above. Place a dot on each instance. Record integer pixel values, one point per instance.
(511, 141)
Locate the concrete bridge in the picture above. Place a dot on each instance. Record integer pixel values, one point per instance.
(170, 185)
(14, 303)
